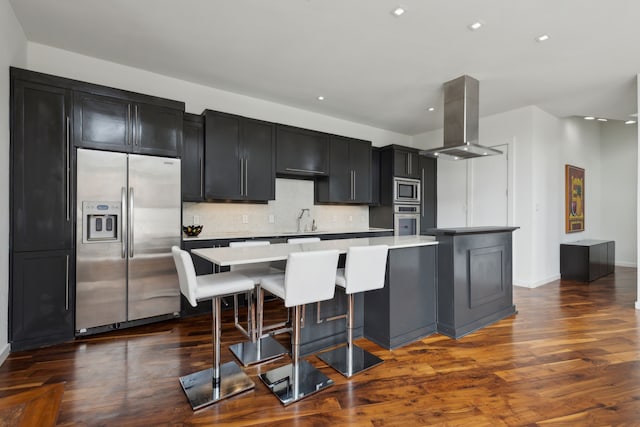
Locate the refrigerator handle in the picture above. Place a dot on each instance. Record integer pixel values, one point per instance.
(130, 228)
(124, 225)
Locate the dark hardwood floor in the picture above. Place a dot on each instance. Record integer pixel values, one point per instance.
(571, 356)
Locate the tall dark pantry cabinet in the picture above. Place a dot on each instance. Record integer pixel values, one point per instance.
(41, 305)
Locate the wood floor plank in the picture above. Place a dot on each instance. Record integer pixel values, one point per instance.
(570, 356)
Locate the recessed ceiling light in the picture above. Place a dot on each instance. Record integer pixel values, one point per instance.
(589, 118)
(630, 122)
(431, 109)
(602, 120)
(475, 26)
(436, 154)
(398, 11)
(321, 98)
(543, 38)
(485, 154)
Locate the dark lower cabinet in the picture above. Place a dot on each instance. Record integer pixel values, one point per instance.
(475, 279)
(192, 164)
(587, 260)
(405, 309)
(42, 298)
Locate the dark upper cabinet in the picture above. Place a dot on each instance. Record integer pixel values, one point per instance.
(120, 124)
(375, 176)
(42, 299)
(159, 130)
(349, 179)
(239, 158)
(192, 163)
(429, 196)
(301, 152)
(406, 163)
(41, 158)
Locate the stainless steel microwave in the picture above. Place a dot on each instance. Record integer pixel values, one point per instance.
(406, 190)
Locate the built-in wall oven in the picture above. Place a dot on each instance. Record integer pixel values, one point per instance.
(406, 220)
(406, 190)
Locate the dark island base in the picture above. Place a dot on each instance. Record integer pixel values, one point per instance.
(462, 330)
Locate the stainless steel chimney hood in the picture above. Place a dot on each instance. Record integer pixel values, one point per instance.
(461, 105)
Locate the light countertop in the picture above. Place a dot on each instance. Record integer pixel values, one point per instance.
(252, 235)
(226, 256)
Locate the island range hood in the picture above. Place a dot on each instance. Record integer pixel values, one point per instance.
(461, 105)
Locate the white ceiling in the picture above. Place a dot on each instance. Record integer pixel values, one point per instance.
(372, 67)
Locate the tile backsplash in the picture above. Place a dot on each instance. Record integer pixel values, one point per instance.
(280, 215)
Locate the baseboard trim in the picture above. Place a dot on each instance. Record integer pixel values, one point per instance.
(625, 264)
(536, 284)
(5, 353)
(637, 305)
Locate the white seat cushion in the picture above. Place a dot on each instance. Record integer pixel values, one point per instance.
(274, 283)
(221, 284)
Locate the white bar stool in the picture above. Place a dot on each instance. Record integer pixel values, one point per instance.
(259, 348)
(308, 278)
(221, 381)
(303, 240)
(364, 270)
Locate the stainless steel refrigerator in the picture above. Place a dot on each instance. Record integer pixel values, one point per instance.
(128, 217)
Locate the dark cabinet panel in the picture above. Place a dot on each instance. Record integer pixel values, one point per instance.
(192, 163)
(429, 197)
(41, 188)
(102, 122)
(119, 124)
(239, 158)
(258, 147)
(42, 298)
(587, 260)
(301, 152)
(349, 179)
(406, 164)
(158, 130)
(375, 176)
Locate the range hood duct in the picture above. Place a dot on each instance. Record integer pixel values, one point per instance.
(461, 106)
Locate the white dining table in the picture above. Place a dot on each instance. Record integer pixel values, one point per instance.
(227, 256)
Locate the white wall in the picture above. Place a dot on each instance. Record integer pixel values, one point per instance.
(13, 50)
(540, 145)
(619, 162)
(197, 97)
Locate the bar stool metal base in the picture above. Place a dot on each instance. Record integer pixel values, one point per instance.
(249, 353)
(199, 387)
(310, 381)
(361, 360)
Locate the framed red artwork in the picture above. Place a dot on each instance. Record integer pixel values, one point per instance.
(574, 196)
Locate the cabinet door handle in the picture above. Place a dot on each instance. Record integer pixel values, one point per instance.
(422, 195)
(353, 185)
(242, 177)
(124, 227)
(303, 170)
(130, 228)
(201, 177)
(68, 165)
(136, 139)
(129, 125)
(66, 286)
(246, 176)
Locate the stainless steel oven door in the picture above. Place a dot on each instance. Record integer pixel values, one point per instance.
(406, 224)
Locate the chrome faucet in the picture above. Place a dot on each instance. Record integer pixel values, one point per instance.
(300, 218)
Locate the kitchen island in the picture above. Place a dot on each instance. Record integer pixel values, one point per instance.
(400, 313)
(475, 285)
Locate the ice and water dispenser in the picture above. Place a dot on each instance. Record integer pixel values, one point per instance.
(101, 221)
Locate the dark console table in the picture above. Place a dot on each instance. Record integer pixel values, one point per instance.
(475, 284)
(587, 260)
